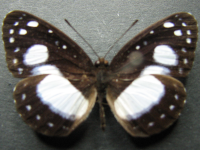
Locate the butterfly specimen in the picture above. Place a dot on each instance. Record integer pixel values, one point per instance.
(62, 84)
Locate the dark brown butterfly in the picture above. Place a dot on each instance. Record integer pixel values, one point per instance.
(62, 84)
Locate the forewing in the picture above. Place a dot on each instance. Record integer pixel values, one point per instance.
(166, 47)
(150, 104)
(51, 105)
(35, 47)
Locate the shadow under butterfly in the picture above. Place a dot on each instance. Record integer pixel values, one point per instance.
(62, 84)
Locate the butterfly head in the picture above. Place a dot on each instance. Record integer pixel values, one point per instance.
(101, 63)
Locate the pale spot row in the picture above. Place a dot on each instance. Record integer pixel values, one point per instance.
(151, 32)
(189, 40)
(151, 124)
(189, 32)
(183, 50)
(65, 128)
(64, 47)
(20, 70)
(11, 39)
(180, 70)
(184, 101)
(38, 117)
(50, 31)
(11, 31)
(16, 49)
(50, 124)
(23, 96)
(137, 47)
(14, 101)
(75, 56)
(28, 107)
(184, 24)
(185, 61)
(162, 116)
(171, 107)
(15, 61)
(176, 96)
(145, 42)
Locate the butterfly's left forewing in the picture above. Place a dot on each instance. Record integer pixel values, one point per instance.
(141, 94)
(59, 91)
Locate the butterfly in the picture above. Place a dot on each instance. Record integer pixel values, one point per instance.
(62, 84)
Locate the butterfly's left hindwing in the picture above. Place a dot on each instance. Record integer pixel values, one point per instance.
(51, 105)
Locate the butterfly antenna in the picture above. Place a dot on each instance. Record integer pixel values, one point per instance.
(121, 36)
(81, 36)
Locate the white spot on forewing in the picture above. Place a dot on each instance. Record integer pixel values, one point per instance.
(168, 24)
(137, 47)
(155, 70)
(183, 50)
(36, 54)
(22, 32)
(62, 97)
(46, 69)
(188, 40)
(50, 31)
(16, 23)
(151, 124)
(16, 49)
(139, 97)
(32, 24)
(151, 32)
(164, 54)
(15, 61)
(11, 40)
(11, 31)
(64, 47)
(185, 61)
(189, 32)
(178, 33)
(184, 24)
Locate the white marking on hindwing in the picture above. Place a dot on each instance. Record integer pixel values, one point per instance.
(64, 47)
(22, 32)
(176, 96)
(15, 61)
(151, 32)
(38, 117)
(168, 24)
(50, 124)
(36, 54)
(137, 47)
(189, 32)
(32, 24)
(62, 97)
(151, 124)
(153, 69)
(165, 54)
(20, 70)
(162, 116)
(171, 107)
(183, 50)
(23, 96)
(46, 69)
(139, 97)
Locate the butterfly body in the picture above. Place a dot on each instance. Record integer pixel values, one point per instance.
(62, 84)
